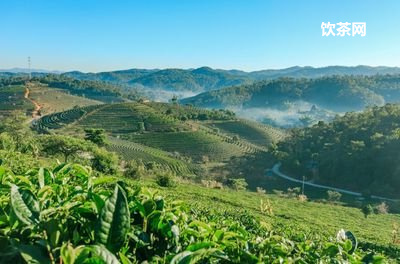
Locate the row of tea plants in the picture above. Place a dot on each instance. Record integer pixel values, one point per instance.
(67, 215)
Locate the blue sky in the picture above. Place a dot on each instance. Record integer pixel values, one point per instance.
(105, 35)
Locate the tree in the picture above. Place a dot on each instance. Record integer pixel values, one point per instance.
(141, 126)
(239, 184)
(66, 146)
(174, 99)
(367, 210)
(96, 136)
(334, 196)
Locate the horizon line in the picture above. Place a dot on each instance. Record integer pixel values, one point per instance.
(25, 70)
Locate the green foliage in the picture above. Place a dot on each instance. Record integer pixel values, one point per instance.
(67, 146)
(96, 90)
(336, 93)
(134, 169)
(66, 215)
(367, 210)
(104, 161)
(114, 221)
(357, 151)
(96, 136)
(239, 184)
(334, 196)
(165, 179)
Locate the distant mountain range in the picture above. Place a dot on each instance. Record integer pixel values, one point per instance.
(26, 70)
(206, 79)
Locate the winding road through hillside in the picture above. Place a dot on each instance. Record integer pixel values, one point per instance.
(276, 171)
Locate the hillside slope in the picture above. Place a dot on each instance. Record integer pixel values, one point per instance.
(358, 151)
(336, 93)
(185, 133)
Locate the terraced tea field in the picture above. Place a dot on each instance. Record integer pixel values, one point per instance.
(12, 98)
(61, 119)
(115, 119)
(134, 151)
(196, 145)
(251, 131)
(54, 100)
(160, 126)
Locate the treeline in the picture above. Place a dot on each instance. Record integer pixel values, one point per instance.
(92, 89)
(359, 151)
(198, 80)
(11, 80)
(337, 93)
(97, 90)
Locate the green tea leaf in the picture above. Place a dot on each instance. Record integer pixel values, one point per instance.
(24, 205)
(114, 221)
(101, 252)
(34, 254)
(41, 177)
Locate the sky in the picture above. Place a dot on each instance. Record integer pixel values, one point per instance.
(104, 35)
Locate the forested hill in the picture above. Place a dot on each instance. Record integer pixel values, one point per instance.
(97, 90)
(359, 151)
(205, 78)
(194, 80)
(336, 93)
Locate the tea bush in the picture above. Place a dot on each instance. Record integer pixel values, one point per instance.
(66, 215)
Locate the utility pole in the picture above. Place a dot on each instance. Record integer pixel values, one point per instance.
(29, 68)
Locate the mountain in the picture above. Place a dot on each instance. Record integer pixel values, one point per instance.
(335, 93)
(281, 100)
(311, 72)
(186, 82)
(206, 79)
(26, 70)
(194, 80)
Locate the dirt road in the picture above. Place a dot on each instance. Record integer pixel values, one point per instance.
(37, 107)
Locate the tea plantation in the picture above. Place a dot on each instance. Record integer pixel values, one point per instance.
(183, 130)
(67, 215)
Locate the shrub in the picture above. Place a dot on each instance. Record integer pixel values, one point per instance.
(261, 190)
(293, 192)
(334, 196)
(212, 184)
(239, 184)
(382, 208)
(134, 169)
(302, 197)
(367, 210)
(66, 215)
(266, 207)
(278, 192)
(104, 161)
(165, 179)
